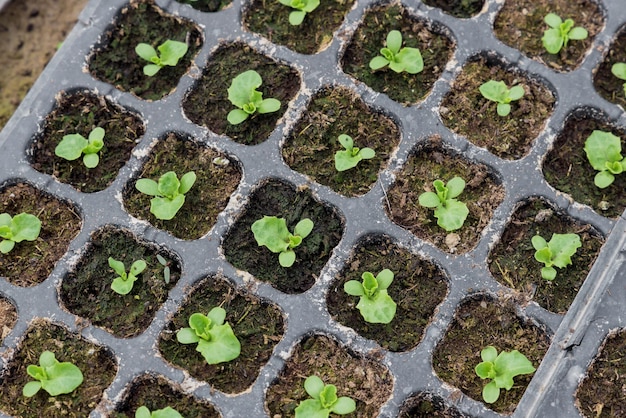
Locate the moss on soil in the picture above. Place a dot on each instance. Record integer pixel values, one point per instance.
(601, 393)
(156, 392)
(87, 292)
(609, 86)
(363, 379)
(520, 25)
(271, 20)
(312, 143)
(279, 199)
(31, 262)
(458, 8)
(513, 264)
(428, 163)
(115, 60)
(431, 39)
(257, 324)
(80, 112)
(207, 103)
(211, 192)
(479, 322)
(567, 168)
(465, 111)
(95, 362)
(418, 288)
(426, 405)
(8, 316)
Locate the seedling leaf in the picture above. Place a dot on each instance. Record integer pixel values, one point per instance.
(21, 227)
(560, 33)
(272, 233)
(375, 305)
(556, 253)
(397, 58)
(450, 213)
(242, 93)
(54, 377)
(324, 400)
(501, 368)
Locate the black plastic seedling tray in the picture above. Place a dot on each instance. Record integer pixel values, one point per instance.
(575, 336)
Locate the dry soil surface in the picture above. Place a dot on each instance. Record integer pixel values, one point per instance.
(30, 32)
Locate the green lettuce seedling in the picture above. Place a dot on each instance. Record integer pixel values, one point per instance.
(243, 94)
(557, 252)
(450, 213)
(216, 341)
(604, 152)
(54, 377)
(350, 157)
(619, 70)
(302, 8)
(560, 33)
(167, 412)
(124, 282)
(22, 227)
(498, 92)
(397, 58)
(324, 402)
(273, 233)
(171, 51)
(501, 368)
(375, 305)
(73, 146)
(166, 268)
(169, 192)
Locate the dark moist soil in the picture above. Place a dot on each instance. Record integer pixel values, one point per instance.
(87, 292)
(271, 20)
(95, 362)
(257, 324)
(512, 261)
(609, 86)
(418, 287)
(214, 184)
(478, 323)
(363, 379)
(601, 393)
(312, 144)
(207, 103)
(426, 405)
(432, 40)
(465, 111)
(482, 194)
(156, 392)
(207, 5)
(8, 316)
(31, 262)
(567, 168)
(279, 199)
(520, 25)
(115, 60)
(458, 8)
(79, 113)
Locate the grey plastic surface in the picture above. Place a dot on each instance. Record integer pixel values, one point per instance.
(598, 308)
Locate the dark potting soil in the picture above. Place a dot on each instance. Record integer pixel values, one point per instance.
(31, 262)
(458, 8)
(215, 182)
(465, 111)
(79, 113)
(207, 5)
(276, 198)
(95, 362)
(430, 162)
(520, 25)
(433, 41)
(115, 60)
(8, 316)
(87, 292)
(567, 168)
(207, 103)
(312, 144)
(156, 392)
(257, 324)
(363, 379)
(609, 86)
(426, 405)
(601, 393)
(481, 321)
(418, 287)
(513, 264)
(271, 20)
